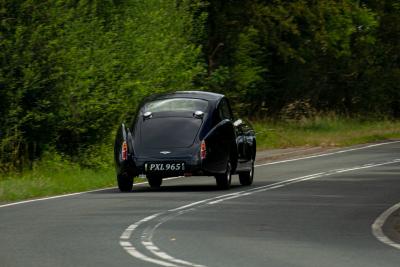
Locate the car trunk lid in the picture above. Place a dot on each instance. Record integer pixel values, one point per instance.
(169, 131)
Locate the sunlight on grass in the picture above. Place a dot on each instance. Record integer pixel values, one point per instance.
(52, 178)
(323, 131)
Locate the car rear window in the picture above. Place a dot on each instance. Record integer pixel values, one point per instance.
(176, 104)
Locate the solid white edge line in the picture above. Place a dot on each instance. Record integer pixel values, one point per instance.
(172, 178)
(377, 226)
(327, 154)
(72, 194)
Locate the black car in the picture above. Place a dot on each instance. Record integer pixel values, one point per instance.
(190, 133)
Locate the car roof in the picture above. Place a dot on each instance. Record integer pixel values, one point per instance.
(191, 94)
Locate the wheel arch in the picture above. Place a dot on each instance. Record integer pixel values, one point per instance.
(124, 165)
(254, 152)
(233, 156)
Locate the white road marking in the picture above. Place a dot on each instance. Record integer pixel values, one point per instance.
(327, 154)
(173, 178)
(72, 194)
(128, 231)
(131, 250)
(152, 223)
(377, 227)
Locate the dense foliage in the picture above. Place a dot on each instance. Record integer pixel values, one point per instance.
(340, 56)
(72, 70)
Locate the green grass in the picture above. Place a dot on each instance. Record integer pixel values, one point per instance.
(328, 131)
(53, 175)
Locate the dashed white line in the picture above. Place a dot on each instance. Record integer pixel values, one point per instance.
(133, 252)
(128, 231)
(172, 178)
(151, 226)
(126, 235)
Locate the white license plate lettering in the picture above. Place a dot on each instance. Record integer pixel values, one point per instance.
(166, 167)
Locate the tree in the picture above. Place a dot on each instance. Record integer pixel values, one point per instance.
(71, 71)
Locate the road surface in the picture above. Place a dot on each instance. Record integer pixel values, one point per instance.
(322, 210)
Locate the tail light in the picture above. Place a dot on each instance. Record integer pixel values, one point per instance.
(124, 152)
(203, 150)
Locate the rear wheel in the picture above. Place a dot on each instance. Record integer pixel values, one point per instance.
(246, 178)
(224, 180)
(154, 181)
(125, 182)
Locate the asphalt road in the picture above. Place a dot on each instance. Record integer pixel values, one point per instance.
(316, 211)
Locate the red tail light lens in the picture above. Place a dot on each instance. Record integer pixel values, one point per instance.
(124, 152)
(203, 150)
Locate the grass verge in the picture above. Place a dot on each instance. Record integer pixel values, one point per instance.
(324, 132)
(54, 176)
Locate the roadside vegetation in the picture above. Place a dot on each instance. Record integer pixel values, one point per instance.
(72, 70)
(324, 132)
(54, 175)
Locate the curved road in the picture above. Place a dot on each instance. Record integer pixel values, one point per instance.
(316, 211)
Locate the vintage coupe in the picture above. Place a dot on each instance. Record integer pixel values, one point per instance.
(190, 133)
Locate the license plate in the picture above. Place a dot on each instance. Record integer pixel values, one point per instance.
(167, 167)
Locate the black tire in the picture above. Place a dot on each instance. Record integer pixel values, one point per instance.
(224, 180)
(125, 182)
(154, 181)
(246, 178)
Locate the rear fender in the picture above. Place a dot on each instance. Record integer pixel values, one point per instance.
(221, 147)
(123, 151)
